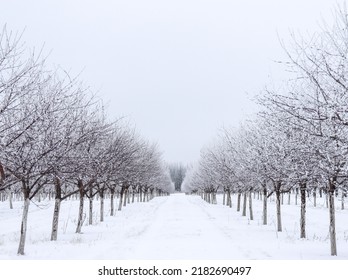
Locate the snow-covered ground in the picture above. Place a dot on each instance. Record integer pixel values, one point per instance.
(176, 227)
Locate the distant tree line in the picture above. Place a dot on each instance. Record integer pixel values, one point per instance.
(177, 173)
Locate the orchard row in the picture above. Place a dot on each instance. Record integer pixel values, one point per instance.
(56, 137)
(299, 139)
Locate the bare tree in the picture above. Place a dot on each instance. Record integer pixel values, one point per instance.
(316, 102)
(27, 145)
(20, 74)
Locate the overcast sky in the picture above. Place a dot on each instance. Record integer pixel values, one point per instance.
(179, 70)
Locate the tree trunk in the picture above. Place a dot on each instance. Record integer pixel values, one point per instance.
(140, 194)
(229, 198)
(112, 193)
(315, 197)
(244, 204)
(342, 200)
(303, 209)
(24, 222)
(2, 174)
(90, 216)
(144, 195)
(279, 220)
(264, 210)
(224, 198)
(331, 193)
(238, 201)
(101, 205)
(125, 197)
(251, 207)
(80, 216)
(11, 198)
(128, 196)
(121, 199)
(296, 195)
(57, 203)
(214, 198)
(327, 200)
(289, 197)
(133, 196)
(54, 232)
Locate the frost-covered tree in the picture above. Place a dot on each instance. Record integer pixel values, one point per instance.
(20, 75)
(56, 138)
(28, 143)
(316, 103)
(64, 126)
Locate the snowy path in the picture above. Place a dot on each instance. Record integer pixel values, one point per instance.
(181, 229)
(176, 227)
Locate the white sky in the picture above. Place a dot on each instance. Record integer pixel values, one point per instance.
(179, 69)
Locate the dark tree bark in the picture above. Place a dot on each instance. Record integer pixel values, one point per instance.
(2, 175)
(112, 194)
(303, 186)
(244, 203)
(264, 209)
(101, 193)
(250, 207)
(121, 198)
(296, 195)
(57, 203)
(10, 197)
(238, 201)
(331, 198)
(140, 194)
(80, 215)
(125, 193)
(278, 205)
(90, 200)
(24, 222)
(229, 198)
(133, 194)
